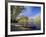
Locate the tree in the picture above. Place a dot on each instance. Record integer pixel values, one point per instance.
(23, 20)
(37, 20)
(15, 11)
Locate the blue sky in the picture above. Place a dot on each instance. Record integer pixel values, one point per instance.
(31, 11)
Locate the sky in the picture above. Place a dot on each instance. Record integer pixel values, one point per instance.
(31, 11)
